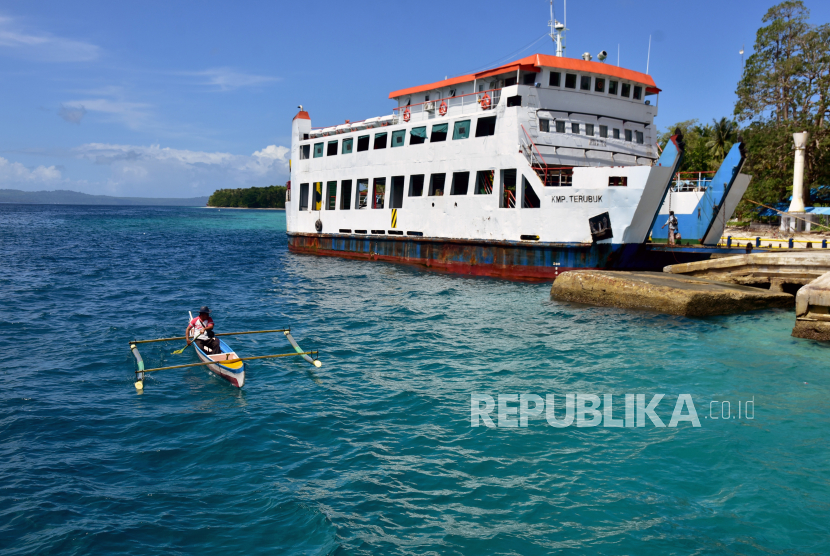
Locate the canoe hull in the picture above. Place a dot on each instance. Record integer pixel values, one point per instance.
(234, 376)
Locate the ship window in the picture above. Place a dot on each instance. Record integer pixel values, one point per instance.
(331, 148)
(585, 83)
(460, 181)
(570, 81)
(509, 81)
(529, 79)
(628, 135)
(305, 151)
(486, 126)
(560, 178)
(560, 127)
(575, 128)
(544, 125)
(529, 198)
(331, 195)
(452, 92)
(318, 150)
(426, 98)
(612, 87)
(436, 184)
(618, 181)
(378, 192)
(461, 130)
(616, 133)
(638, 92)
(345, 194)
(626, 90)
(484, 182)
(362, 194)
(514, 101)
(347, 145)
(396, 195)
(599, 85)
(439, 133)
(398, 138)
(418, 135)
(589, 130)
(603, 131)
(303, 196)
(318, 196)
(555, 79)
(416, 185)
(508, 189)
(363, 143)
(639, 135)
(380, 140)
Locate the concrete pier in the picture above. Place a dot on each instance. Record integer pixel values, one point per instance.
(664, 293)
(773, 270)
(812, 310)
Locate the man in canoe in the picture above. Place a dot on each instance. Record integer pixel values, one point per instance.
(204, 336)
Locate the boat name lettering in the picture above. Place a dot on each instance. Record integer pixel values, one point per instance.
(577, 198)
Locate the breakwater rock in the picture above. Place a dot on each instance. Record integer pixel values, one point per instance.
(812, 310)
(664, 293)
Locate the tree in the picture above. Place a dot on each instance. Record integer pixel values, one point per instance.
(721, 137)
(785, 89)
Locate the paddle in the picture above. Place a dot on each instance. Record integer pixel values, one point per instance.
(179, 351)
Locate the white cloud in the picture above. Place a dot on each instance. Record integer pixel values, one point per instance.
(43, 47)
(72, 114)
(135, 115)
(226, 79)
(165, 172)
(16, 174)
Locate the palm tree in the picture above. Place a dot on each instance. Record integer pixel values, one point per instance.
(722, 136)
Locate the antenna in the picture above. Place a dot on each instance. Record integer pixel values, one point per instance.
(742, 55)
(648, 59)
(618, 54)
(557, 32)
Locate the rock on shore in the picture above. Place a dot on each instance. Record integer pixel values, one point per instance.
(664, 293)
(812, 310)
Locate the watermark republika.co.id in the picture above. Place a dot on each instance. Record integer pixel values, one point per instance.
(591, 410)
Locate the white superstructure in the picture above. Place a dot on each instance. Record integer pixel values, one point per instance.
(529, 150)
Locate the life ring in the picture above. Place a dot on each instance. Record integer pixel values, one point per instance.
(406, 115)
(485, 101)
(443, 108)
(319, 225)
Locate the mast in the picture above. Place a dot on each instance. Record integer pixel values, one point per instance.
(557, 31)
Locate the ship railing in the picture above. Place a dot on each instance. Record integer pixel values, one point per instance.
(692, 181)
(470, 103)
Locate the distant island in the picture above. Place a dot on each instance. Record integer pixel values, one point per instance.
(65, 197)
(272, 196)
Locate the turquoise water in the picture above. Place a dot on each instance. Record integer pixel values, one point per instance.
(374, 453)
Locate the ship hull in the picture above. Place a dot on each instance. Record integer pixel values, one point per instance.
(534, 262)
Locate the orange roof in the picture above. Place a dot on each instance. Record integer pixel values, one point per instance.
(302, 115)
(537, 61)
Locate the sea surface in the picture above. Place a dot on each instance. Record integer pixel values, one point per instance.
(374, 453)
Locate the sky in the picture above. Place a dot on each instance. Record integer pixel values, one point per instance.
(178, 99)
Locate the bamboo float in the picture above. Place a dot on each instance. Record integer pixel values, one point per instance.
(221, 334)
(226, 361)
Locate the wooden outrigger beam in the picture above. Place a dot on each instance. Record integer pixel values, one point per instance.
(220, 334)
(224, 362)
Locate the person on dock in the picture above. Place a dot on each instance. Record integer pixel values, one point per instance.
(204, 336)
(672, 224)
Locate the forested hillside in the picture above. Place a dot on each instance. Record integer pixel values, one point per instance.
(272, 196)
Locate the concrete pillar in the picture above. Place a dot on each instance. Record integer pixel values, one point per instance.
(800, 139)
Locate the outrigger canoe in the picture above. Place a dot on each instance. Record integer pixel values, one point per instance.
(232, 372)
(227, 364)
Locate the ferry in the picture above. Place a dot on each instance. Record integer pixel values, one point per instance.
(523, 171)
